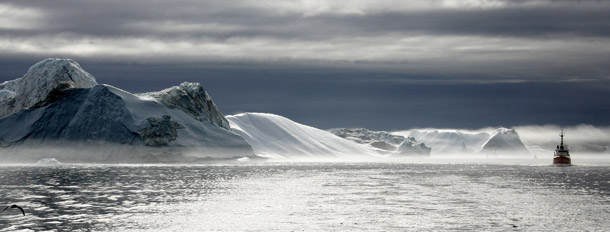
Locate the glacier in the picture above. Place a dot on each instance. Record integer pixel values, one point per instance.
(274, 136)
(58, 110)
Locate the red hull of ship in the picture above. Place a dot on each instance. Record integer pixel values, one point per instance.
(562, 160)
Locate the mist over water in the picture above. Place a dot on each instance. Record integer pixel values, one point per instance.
(415, 194)
(539, 140)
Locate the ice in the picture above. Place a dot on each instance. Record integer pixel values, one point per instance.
(505, 141)
(455, 141)
(40, 81)
(65, 109)
(193, 100)
(274, 136)
(48, 161)
(392, 144)
(447, 141)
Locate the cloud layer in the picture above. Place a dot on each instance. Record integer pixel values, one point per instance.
(349, 63)
(503, 40)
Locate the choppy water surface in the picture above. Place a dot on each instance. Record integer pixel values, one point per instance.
(306, 196)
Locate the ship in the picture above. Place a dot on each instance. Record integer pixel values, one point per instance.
(562, 153)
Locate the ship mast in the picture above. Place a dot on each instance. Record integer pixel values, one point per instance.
(561, 135)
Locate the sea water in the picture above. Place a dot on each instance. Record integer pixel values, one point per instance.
(403, 196)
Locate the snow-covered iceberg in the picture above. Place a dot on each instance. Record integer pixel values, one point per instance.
(446, 141)
(59, 108)
(48, 161)
(505, 141)
(192, 99)
(392, 144)
(40, 82)
(455, 141)
(274, 136)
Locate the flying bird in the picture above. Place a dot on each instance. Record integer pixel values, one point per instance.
(14, 206)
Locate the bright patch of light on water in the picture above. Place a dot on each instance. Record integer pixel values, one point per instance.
(307, 196)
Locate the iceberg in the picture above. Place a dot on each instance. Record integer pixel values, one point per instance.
(58, 107)
(274, 136)
(390, 143)
(455, 141)
(48, 161)
(40, 82)
(444, 141)
(505, 141)
(192, 99)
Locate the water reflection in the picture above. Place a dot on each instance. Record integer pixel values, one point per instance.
(73, 197)
(305, 196)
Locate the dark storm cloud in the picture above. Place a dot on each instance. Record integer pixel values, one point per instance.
(498, 39)
(390, 64)
(149, 18)
(513, 22)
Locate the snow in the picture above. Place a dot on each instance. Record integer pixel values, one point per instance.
(193, 100)
(42, 79)
(456, 141)
(107, 115)
(505, 141)
(180, 123)
(446, 141)
(48, 161)
(393, 144)
(6, 95)
(57, 104)
(274, 136)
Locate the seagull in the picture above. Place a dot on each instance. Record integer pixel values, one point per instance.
(14, 206)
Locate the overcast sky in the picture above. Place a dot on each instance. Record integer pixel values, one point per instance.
(387, 65)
